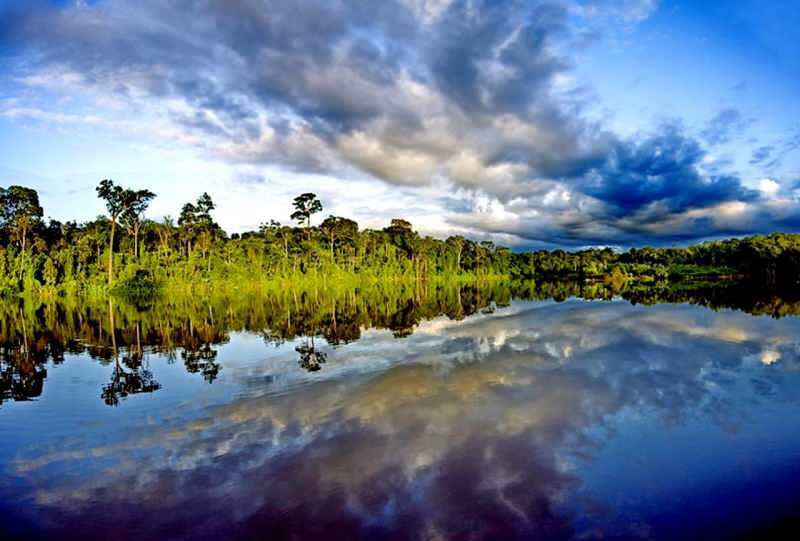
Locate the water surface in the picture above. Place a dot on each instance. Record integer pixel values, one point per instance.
(434, 414)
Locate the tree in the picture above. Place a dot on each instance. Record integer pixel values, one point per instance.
(336, 227)
(305, 206)
(402, 235)
(203, 210)
(20, 213)
(274, 232)
(197, 224)
(114, 196)
(119, 201)
(186, 222)
(457, 243)
(133, 215)
(164, 230)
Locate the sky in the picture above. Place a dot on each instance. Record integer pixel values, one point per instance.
(535, 124)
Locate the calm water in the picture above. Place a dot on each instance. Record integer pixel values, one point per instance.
(419, 415)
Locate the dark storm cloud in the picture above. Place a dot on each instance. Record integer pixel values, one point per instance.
(471, 39)
(661, 169)
(410, 92)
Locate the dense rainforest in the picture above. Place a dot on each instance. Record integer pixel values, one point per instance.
(125, 249)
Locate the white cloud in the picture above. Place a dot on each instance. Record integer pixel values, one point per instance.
(768, 187)
(770, 356)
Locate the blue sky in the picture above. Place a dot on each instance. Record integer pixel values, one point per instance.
(562, 123)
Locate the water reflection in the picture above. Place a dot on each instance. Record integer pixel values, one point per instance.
(138, 379)
(192, 329)
(311, 359)
(531, 420)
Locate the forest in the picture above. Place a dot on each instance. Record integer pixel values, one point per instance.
(123, 250)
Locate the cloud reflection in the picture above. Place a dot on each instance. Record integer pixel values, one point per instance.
(475, 430)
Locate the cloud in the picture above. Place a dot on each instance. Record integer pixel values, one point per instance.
(662, 169)
(726, 124)
(252, 178)
(478, 79)
(761, 154)
(768, 187)
(630, 11)
(475, 97)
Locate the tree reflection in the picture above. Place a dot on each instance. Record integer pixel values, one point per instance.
(202, 360)
(20, 379)
(138, 379)
(310, 358)
(35, 333)
(21, 376)
(127, 382)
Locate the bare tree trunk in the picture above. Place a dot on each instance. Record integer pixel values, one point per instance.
(111, 251)
(22, 254)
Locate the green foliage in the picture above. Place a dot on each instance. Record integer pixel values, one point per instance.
(142, 286)
(49, 272)
(196, 253)
(20, 213)
(305, 205)
(128, 205)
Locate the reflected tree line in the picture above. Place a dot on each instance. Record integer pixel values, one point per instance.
(190, 329)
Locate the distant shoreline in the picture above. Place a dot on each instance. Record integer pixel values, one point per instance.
(126, 252)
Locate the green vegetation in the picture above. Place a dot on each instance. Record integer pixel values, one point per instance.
(141, 287)
(50, 257)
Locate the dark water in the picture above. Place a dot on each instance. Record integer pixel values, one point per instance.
(434, 414)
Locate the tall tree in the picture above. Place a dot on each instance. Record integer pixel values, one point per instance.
(20, 213)
(164, 230)
(133, 215)
(338, 228)
(274, 232)
(119, 201)
(203, 210)
(197, 224)
(457, 243)
(186, 223)
(402, 235)
(305, 206)
(114, 196)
